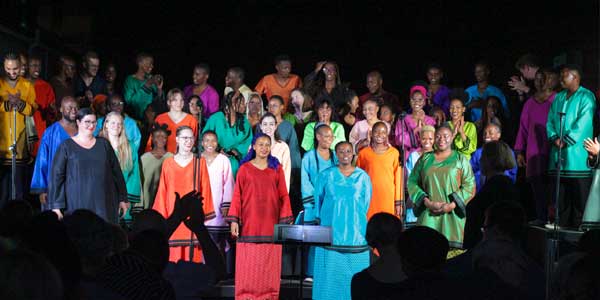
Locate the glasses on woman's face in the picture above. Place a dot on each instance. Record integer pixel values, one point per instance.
(89, 123)
(186, 138)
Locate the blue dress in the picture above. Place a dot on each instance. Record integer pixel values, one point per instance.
(479, 178)
(342, 203)
(474, 95)
(52, 138)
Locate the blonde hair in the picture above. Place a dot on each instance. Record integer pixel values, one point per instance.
(427, 128)
(123, 150)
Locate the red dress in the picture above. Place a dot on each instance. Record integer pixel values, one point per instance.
(175, 178)
(44, 97)
(260, 200)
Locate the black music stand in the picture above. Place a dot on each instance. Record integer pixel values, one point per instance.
(302, 236)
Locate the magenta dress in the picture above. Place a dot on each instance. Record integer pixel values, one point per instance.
(412, 140)
(209, 97)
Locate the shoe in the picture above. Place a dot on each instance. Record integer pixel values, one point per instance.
(551, 226)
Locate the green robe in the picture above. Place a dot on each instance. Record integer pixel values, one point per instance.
(151, 168)
(591, 215)
(579, 114)
(308, 140)
(448, 181)
(468, 146)
(137, 96)
(231, 137)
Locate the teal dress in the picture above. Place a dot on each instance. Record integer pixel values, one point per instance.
(342, 203)
(450, 180)
(132, 182)
(238, 136)
(137, 96)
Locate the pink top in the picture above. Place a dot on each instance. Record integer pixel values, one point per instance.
(412, 140)
(360, 131)
(221, 186)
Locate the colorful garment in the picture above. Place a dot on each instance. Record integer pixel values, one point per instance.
(132, 179)
(577, 126)
(132, 131)
(44, 98)
(269, 86)
(175, 178)
(360, 131)
(52, 138)
(287, 134)
(221, 186)
(342, 203)
(151, 168)
(25, 108)
(87, 179)
(406, 133)
(138, 96)
(281, 151)
(236, 137)
(260, 200)
(468, 146)
(312, 165)
(386, 176)
(308, 140)
(164, 118)
(532, 136)
(209, 97)
(591, 216)
(475, 95)
(480, 178)
(447, 181)
(440, 99)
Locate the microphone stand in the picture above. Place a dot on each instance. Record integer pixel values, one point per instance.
(13, 152)
(552, 253)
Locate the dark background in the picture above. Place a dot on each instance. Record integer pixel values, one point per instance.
(397, 37)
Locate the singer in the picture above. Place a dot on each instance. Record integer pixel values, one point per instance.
(17, 98)
(576, 106)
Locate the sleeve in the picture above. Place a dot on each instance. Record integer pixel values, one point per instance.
(551, 126)
(212, 103)
(319, 195)
(39, 180)
(135, 136)
(205, 191)
(287, 166)
(594, 162)
(294, 149)
(338, 134)
(117, 174)
(368, 192)
(584, 121)
(235, 210)
(523, 132)
(415, 190)
(285, 210)
(466, 190)
(470, 144)
(243, 146)
(474, 161)
(133, 180)
(29, 102)
(57, 194)
(307, 190)
(308, 137)
(354, 137)
(160, 200)
(261, 86)
(227, 184)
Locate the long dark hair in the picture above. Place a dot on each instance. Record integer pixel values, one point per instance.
(228, 108)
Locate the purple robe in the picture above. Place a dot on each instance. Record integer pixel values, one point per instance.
(209, 97)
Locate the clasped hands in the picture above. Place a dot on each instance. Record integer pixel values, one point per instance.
(438, 208)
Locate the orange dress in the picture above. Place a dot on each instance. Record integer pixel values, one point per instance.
(164, 118)
(386, 176)
(175, 178)
(269, 86)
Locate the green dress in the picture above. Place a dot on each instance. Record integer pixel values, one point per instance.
(468, 146)
(591, 215)
(308, 140)
(137, 96)
(447, 181)
(151, 168)
(238, 136)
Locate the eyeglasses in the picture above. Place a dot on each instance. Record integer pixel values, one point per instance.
(88, 123)
(186, 138)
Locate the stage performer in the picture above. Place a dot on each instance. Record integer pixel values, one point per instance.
(381, 162)
(440, 186)
(235, 133)
(86, 174)
(260, 200)
(342, 197)
(183, 173)
(53, 136)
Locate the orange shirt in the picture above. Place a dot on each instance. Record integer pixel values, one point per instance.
(175, 178)
(386, 177)
(189, 120)
(269, 86)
